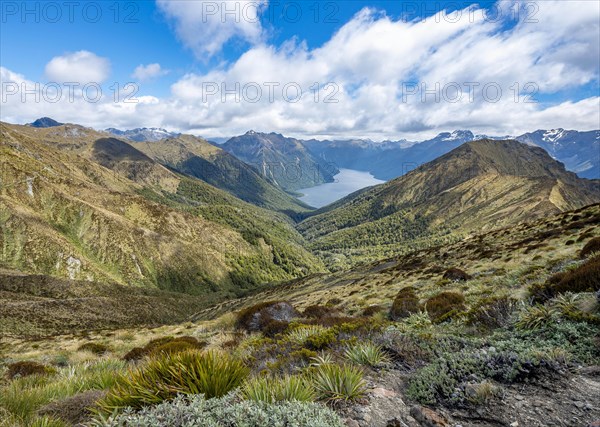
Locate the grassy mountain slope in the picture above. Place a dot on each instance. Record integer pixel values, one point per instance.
(479, 185)
(286, 162)
(198, 158)
(502, 262)
(80, 206)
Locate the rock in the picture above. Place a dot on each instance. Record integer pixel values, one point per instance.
(594, 424)
(382, 392)
(351, 423)
(515, 424)
(428, 417)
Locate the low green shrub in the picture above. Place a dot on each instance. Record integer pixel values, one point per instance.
(191, 372)
(271, 390)
(336, 384)
(405, 304)
(445, 305)
(196, 411)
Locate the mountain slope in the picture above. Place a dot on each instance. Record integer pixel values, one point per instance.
(479, 185)
(76, 204)
(286, 162)
(579, 151)
(196, 157)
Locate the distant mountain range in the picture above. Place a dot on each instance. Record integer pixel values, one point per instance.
(286, 162)
(478, 185)
(579, 151)
(142, 134)
(277, 157)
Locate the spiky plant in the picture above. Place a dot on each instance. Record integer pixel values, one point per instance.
(366, 353)
(191, 372)
(335, 383)
(270, 390)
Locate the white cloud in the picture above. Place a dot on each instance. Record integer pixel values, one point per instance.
(82, 67)
(148, 72)
(205, 26)
(368, 60)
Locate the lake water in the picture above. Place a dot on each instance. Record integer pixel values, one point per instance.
(346, 182)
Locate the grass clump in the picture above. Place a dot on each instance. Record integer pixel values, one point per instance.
(445, 305)
(338, 383)
(456, 275)
(271, 390)
(366, 353)
(197, 410)
(302, 333)
(26, 368)
(405, 304)
(95, 348)
(191, 372)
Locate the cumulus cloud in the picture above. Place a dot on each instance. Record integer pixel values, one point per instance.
(82, 67)
(382, 78)
(205, 26)
(148, 72)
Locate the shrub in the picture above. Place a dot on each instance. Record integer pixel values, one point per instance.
(492, 312)
(75, 409)
(164, 345)
(405, 303)
(335, 383)
(319, 311)
(444, 305)
(94, 347)
(444, 380)
(367, 353)
(271, 390)
(456, 275)
(26, 368)
(321, 340)
(590, 247)
(583, 278)
(257, 317)
(275, 327)
(372, 310)
(191, 372)
(196, 411)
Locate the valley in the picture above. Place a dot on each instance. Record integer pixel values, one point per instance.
(121, 257)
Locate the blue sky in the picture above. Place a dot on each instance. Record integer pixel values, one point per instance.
(369, 51)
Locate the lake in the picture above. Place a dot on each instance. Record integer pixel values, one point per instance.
(346, 182)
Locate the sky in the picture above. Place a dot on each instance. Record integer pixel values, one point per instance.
(383, 70)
